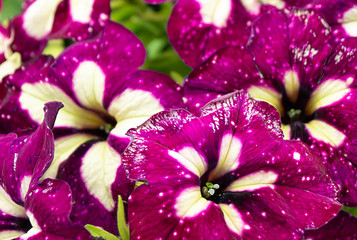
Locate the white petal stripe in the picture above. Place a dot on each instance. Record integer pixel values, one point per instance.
(190, 203)
(99, 168)
(228, 156)
(39, 17)
(324, 132)
(253, 181)
(89, 84)
(326, 94)
(191, 160)
(34, 96)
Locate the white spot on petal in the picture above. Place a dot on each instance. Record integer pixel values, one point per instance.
(81, 10)
(25, 184)
(215, 12)
(349, 21)
(131, 108)
(10, 234)
(64, 147)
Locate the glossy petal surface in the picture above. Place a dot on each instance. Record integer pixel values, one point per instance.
(237, 147)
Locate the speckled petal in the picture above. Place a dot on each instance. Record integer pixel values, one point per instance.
(96, 177)
(197, 28)
(102, 64)
(25, 159)
(153, 214)
(284, 212)
(342, 227)
(341, 15)
(12, 116)
(237, 147)
(80, 19)
(143, 93)
(294, 47)
(228, 70)
(48, 206)
(183, 152)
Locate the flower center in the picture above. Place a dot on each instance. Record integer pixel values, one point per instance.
(295, 112)
(209, 190)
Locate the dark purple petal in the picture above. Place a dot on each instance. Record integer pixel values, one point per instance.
(25, 159)
(12, 116)
(228, 70)
(300, 44)
(196, 29)
(96, 177)
(151, 215)
(80, 20)
(341, 227)
(48, 206)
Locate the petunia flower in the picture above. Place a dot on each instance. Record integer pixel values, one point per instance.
(31, 209)
(342, 227)
(340, 15)
(198, 28)
(104, 94)
(312, 87)
(227, 174)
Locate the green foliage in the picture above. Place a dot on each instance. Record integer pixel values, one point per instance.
(98, 232)
(353, 211)
(148, 22)
(122, 228)
(10, 8)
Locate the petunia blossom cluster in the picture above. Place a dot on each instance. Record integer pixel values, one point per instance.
(258, 142)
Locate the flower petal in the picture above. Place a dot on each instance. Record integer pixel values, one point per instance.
(25, 159)
(49, 206)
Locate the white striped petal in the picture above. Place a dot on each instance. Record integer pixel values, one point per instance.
(190, 203)
(324, 132)
(228, 156)
(253, 181)
(39, 17)
(35, 95)
(99, 167)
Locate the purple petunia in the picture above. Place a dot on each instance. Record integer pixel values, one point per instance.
(290, 63)
(33, 209)
(342, 227)
(227, 174)
(104, 94)
(199, 28)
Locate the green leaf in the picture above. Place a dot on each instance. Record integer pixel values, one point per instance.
(123, 229)
(353, 211)
(98, 232)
